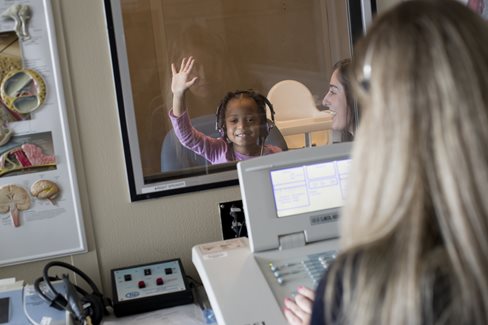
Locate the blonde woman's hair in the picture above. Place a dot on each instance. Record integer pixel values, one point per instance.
(415, 223)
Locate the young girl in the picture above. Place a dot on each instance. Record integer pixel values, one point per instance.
(241, 119)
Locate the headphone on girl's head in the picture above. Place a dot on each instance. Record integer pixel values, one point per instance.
(260, 100)
(77, 301)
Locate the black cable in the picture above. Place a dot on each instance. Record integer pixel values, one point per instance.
(193, 281)
(37, 288)
(86, 307)
(72, 268)
(74, 304)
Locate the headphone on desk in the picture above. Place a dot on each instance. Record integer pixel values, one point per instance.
(77, 301)
(260, 100)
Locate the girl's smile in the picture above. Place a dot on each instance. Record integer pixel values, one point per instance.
(242, 123)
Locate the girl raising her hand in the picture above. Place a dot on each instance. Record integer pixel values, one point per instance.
(241, 120)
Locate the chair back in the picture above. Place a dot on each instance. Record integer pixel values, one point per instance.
(292, 100)
(297, 116)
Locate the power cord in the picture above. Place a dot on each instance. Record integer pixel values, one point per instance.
(193, 282)
(24, 307)
(207, 312)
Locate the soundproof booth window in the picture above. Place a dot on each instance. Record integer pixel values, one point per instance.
(272, 47)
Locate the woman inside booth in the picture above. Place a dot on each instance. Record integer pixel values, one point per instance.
(339, 100)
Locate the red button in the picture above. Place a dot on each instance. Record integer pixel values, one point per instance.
(159, 281)
(141, 284)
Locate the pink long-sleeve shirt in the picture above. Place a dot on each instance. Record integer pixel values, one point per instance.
(215, 150)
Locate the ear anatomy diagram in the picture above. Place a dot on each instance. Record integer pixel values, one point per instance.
(23, 91)
(5, 134)
(14, 198)
(44, 189)
(21, 15)
(24, 157)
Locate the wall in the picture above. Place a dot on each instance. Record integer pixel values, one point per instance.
(120, 233)
(386, 4)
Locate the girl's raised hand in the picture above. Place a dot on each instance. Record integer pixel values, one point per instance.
(180, 81)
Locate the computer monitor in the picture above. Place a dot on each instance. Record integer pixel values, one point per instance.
(294, 193)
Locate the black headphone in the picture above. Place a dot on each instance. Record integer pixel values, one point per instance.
(260, 100)
(92, 305)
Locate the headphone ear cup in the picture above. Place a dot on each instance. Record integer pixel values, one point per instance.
(269, 122)
(269, 126)
(219, 127)
(93, 306)
(222, 129)
(265, 129)
(54, 300)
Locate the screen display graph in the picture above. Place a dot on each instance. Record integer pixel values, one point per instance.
(310, 188)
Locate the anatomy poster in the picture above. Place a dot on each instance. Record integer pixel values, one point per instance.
(40, 214)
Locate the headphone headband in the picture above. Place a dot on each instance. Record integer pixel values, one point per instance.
(94, 304)
(75, 270)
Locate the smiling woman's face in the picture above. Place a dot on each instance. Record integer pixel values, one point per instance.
(336, 101)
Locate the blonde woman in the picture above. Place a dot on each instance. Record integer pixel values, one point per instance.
(415, 225)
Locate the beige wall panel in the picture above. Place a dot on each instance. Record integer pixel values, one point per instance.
(385, 4)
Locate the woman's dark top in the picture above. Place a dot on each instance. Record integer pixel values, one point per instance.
(440, 308)
(318, 310)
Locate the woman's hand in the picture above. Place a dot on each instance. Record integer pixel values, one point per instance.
(298, 311)
(180, 81)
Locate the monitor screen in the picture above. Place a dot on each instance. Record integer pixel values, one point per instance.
(302, 189)
(296, 192)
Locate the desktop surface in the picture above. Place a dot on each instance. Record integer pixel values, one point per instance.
(241, 286)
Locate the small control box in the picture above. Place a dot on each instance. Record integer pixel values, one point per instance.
(147, 287)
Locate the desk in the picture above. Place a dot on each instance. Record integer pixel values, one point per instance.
(307, 126)
(239, 291)
(190, 314)
(185, 315)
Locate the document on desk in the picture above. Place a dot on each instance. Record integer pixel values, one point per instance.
(38, 311)
(181, 315)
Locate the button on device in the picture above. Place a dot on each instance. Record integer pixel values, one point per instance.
(141, 284)
(168, 270)
(159, 281)
(127, 277)
(147, 271)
